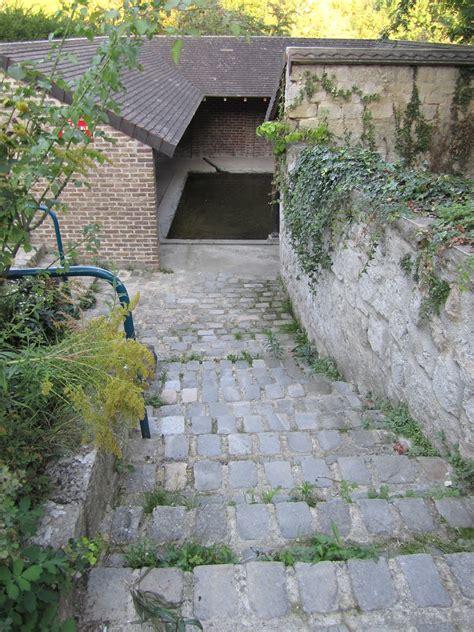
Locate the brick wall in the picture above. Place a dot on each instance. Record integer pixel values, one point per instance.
(225, 128)
(121, 199)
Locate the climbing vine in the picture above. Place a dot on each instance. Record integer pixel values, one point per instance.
(311, 83)
(462, 126)
(412, 132)
(331, 188)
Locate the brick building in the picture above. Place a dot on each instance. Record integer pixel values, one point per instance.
(206, 106)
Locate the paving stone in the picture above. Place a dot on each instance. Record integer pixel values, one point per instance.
(329, 439)
(372, 583)
(354, 470)
(176, 476)
(210, 394)
(299, 442)
(462, 566)
(169, 395)
(226, 424)
(253, 423)
(140, 479)
(394, 469)
(231, 394)
(240, 444)
(176, 447)
(278, 474)
(363, 438)
(378, 517)
(207, 475)
(317, 586)
(278, 422)
(334, 512)
(211, 524)
(274, 391)
(125, 523)
(415, 515)
(172, 425)
(435, 627)
(252, 521)
(423, 579)
(208, 445)
(108, 595)
(189, 395)
(266, 582)
(456, 512)
(242, 474)
(168, 524)
(294, 519)
(269, 443)
(306, 421)
(432, 469)
(201, 425)
(295, 390)
(215, 592)
(167, 583)
(316, 471)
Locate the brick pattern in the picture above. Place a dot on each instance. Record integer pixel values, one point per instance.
(121, 199)
(225, 128)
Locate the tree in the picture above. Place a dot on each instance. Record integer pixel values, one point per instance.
(18, 24)
(451, 20)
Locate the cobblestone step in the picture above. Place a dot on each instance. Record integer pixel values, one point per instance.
(414, 592)
(260, 454)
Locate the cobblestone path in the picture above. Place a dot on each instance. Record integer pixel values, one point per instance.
(260, 454)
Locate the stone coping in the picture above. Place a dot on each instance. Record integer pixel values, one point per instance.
(434, 55)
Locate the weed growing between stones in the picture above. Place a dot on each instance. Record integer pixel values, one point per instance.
(321, 548)
(268, 495)
(345, 490)
(272, 344)
(458, 541)
(397, 419)
(163, 498)
(306, 492)
(186, 556)
(244, 356)
(463, 471)
(153, 399)
(383, 492)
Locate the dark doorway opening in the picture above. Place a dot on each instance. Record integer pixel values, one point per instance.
(224, 206)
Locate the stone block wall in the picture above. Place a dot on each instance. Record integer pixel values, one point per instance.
(225, 128)
(392, 78)
(366, 315)
(121, 199)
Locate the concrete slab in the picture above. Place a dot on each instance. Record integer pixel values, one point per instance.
(241, 258)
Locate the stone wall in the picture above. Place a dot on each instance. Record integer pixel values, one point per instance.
(225, 128)
(121, 199)
(365, 314)
(391, 75)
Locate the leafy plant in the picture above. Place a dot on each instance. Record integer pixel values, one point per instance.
(383, 492)
(268, 495)
(32, 577)
(272, 344)
(244, 356)
(306, 492)
(327, 366)
(163, 498)
(321, 548)
(397, 419)
(152, 610)
(280, 135)
(345, 489)
(153, 399)
(186, 556)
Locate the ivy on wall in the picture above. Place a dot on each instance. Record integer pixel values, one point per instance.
(331, 188)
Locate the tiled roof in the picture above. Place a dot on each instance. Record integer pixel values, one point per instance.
(160, 101)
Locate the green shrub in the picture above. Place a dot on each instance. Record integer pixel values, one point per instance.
(31, 577)
(18, 23)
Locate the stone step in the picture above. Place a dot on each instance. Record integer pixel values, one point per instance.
(414, 592)
(254, 528)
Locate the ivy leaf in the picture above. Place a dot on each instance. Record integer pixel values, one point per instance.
(176, 51)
